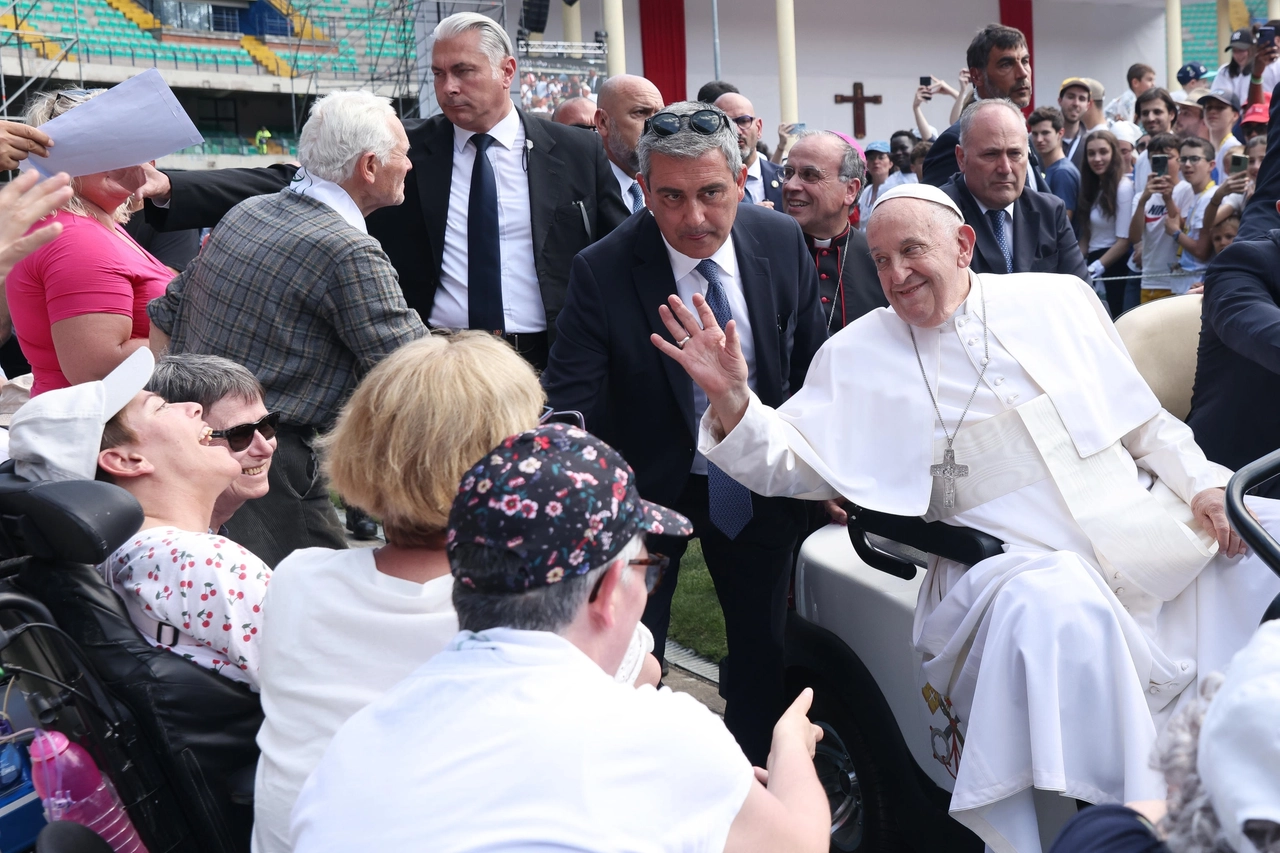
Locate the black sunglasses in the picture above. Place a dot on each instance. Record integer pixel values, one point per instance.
(240, 436)
(655, 567)
(705, 122)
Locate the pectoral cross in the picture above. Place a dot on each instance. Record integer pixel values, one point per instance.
(949, 471)
(859, 101)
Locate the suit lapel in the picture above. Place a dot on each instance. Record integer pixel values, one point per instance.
(754, 275)
(431, 153)
(988, 249)
(654, 282)
(545, 182)
(1026, 232)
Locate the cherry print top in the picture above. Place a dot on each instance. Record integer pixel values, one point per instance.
(206, 586)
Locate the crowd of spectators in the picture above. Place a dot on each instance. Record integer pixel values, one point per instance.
(398, 314)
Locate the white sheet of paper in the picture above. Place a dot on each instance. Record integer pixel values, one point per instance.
(134, 122)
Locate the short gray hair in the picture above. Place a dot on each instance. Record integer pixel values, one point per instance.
(852, 166)
(342, 128)
(200, 378)
(970, 113)
(494, 41)
(546, 608)
(689, 145)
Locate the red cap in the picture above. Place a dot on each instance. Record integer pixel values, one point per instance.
(1256, 113)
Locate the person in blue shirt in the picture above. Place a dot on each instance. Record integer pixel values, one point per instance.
(1060, 173)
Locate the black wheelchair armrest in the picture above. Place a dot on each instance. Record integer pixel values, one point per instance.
(897, 544)
(241, 783)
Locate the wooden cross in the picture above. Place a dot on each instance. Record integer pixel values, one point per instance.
(859, 101)
(949, 471)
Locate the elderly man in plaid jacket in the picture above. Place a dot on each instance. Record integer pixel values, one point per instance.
(292, 286)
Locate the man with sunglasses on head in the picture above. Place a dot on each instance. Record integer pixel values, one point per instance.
(764, 179)
(517, 736)
(820, 184)
(753, 264)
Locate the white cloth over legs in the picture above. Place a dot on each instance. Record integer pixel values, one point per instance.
(1055, 664)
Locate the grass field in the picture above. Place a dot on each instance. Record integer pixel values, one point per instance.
(696, 620)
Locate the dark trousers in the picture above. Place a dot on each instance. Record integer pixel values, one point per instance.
(752, 575)
(296, 512)
(1124, 291)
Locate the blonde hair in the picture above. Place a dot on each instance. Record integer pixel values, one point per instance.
(419, 420)
(49, 105)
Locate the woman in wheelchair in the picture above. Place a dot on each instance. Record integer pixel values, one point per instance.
(187, 590)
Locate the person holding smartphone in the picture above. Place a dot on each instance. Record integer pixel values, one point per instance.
(1163, 199)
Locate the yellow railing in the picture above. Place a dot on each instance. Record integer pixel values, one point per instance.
(302, 28)
(139, 16)
(266, 57)
(46, 47)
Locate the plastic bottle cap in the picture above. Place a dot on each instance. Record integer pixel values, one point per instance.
(47, 745)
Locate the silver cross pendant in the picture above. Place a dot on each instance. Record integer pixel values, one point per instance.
(949, 471)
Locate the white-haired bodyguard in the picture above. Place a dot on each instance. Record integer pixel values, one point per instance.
(292, 286)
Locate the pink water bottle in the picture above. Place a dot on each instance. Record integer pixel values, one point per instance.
(72, 788)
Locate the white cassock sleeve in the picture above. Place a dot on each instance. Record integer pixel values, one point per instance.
(758, 454)
(1166, 448)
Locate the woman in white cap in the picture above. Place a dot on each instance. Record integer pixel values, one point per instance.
(187, 590)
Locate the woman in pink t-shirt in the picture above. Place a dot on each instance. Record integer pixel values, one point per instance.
(79, 304)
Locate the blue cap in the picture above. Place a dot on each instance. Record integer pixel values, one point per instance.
(1191, 71)
(882, 147)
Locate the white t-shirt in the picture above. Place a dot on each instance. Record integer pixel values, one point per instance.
(204, 585)
(1239, 85)
(1220, 160)
(1192, 225)
(339, 634)
(1105, 230)
(897, 179)
(516, 740)
(1160, 250)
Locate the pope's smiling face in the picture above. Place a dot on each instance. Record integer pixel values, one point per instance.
(921, 251)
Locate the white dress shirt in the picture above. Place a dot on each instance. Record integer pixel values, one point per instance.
(624, 184)
(755, 182)
(688, 282)
(1008, 222)
(305, 183)
(522, 307)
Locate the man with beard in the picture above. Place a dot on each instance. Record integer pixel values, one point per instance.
(623, 105)
(1000, 67)
(764, 179)
(1157, 112)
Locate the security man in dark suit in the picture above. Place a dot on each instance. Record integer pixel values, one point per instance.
(751, 265)
(1019, 229)
(764, 179)
(481, 242)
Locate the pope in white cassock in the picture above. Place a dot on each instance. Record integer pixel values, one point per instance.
(1008, 404)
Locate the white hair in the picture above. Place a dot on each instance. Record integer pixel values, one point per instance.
(343, 127)
(494, 41)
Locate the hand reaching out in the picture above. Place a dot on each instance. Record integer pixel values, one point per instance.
(18, 141)
(23, 202)
(711, 356)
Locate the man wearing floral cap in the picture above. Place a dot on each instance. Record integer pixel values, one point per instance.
(517, 737)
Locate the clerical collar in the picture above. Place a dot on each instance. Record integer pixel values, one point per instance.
(815, 243)
(505, 132)
(682, 265)
(305, 183)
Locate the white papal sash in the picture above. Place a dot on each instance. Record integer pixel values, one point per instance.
(1149, 535)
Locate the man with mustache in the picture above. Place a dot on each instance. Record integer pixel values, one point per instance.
(1000, 67)
(1018, 229)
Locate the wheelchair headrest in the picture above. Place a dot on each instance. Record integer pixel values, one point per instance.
(77, 521)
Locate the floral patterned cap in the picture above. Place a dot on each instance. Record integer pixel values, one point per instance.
(561, 498)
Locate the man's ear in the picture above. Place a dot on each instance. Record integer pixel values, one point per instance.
(367, 167)
(742, 183)
(123, 463)
(960, 158)
(851, 191)
(604, 610)
(968, 239)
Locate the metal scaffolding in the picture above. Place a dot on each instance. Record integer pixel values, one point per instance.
(35, 66)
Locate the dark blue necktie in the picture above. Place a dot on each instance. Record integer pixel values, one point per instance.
(729, 502)
(997, 224)
(637, 197)
(484, 254)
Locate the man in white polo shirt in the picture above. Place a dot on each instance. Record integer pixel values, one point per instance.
(517, 737)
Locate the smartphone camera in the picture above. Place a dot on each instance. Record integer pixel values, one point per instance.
(1239, 163)
(1159, 165)
(1266, 36)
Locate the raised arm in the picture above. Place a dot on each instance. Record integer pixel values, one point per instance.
(200, 199)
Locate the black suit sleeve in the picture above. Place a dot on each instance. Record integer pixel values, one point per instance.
(610, 210)
(1070, 261)
(578, 366)
(940, 163)
(811, 330)
(1260, 215)
(200, 199)
(1240, 307)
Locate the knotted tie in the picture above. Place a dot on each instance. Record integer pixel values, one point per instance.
(997, 224)
(484, 253)
(637, 197)
(729, 502)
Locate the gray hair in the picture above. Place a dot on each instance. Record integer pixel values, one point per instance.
(47, 106)
(546, 608)
(1191, 825)
(689, 145)
(342, 128)
(204, 379)
(494, 41)
(852, 166)
(970, 114)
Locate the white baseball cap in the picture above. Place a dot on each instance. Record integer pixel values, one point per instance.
(57, 435)
(1238, 757)
(1127, 131)
(924, 192)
